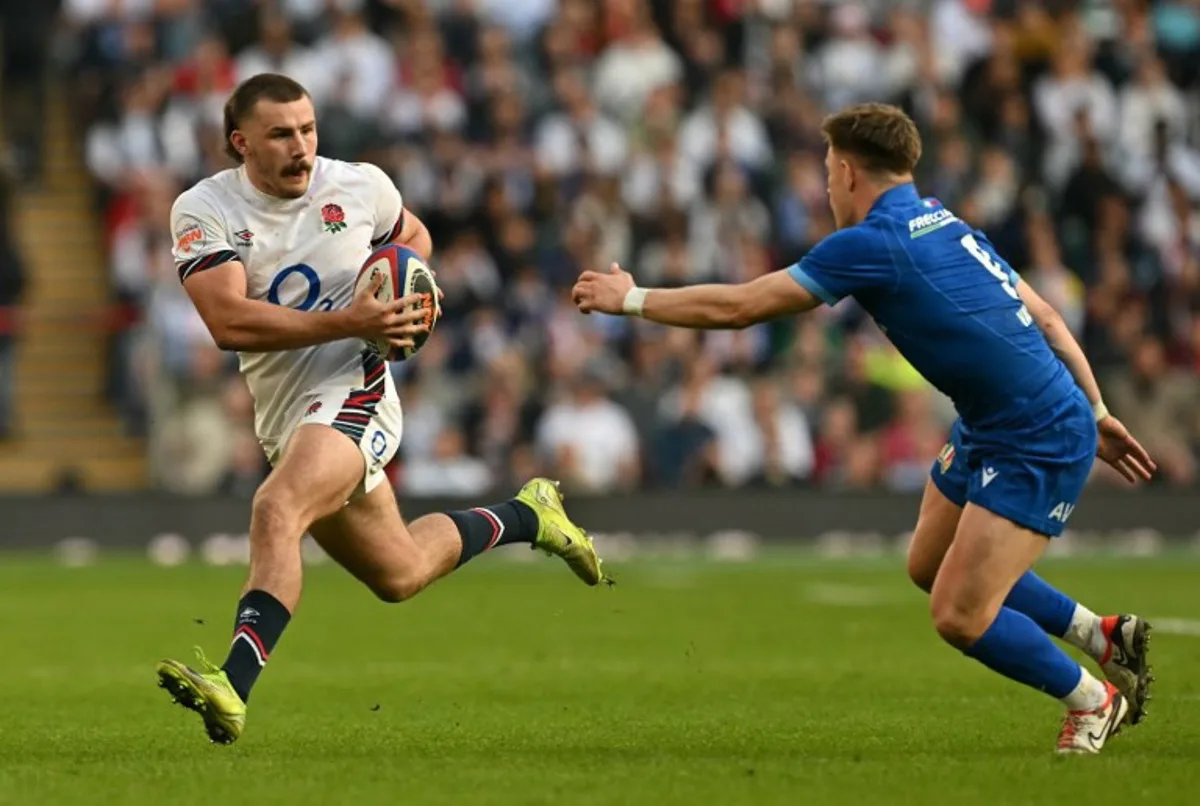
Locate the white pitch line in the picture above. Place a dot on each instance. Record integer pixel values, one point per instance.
(1176, 626)
(835, 595)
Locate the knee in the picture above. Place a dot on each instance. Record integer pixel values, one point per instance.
(959, 623)
(397, 588)
(276, 512)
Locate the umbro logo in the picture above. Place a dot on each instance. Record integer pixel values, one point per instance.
(989, 475)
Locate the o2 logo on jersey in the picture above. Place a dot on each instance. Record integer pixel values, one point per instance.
(996, 270)
(300, 277)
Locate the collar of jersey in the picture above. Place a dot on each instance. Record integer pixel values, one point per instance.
(895, 196)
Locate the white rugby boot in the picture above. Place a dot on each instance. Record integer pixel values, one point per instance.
(1087, 731)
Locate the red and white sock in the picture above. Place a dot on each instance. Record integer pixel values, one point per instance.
(1088, 695)
(1087, 632)
(1107, 625)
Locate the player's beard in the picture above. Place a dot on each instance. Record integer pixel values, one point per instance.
(294, 171)
(298, 168)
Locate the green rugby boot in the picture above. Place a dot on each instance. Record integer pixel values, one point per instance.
(208, 693)
(558, 535)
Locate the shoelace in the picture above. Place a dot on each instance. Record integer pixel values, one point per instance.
(207, 666)
(1071, 726)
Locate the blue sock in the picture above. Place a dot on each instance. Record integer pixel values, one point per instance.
(1050, 608)
(1018, 649)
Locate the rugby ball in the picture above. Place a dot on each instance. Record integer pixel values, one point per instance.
(404, 273)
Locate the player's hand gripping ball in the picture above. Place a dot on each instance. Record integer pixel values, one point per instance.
(401, 272)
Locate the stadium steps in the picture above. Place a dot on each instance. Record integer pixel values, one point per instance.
(65, 426)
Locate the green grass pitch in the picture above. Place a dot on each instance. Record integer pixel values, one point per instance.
(780, 681)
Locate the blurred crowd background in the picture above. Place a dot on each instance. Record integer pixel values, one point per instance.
(679, 138)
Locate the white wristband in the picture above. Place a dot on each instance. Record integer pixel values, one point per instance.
(1100, 411)
(635, 300)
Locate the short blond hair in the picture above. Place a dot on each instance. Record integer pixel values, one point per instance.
(880, 136)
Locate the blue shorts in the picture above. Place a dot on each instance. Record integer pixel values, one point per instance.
(1033, 477)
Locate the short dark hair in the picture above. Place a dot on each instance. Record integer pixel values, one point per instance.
(881, 136)
(268, 86)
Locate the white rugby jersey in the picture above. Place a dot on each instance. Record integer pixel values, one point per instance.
(304, 253)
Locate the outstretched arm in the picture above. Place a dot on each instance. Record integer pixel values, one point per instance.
(1116, 446)
(708, 307)
(254, 326)
(1059, 337)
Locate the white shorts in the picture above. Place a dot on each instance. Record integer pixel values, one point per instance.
(370, 417)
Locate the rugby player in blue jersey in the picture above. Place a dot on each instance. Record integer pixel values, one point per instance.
(1031, 418)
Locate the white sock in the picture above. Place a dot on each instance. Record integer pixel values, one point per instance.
(1085, 632)
(1088, 695)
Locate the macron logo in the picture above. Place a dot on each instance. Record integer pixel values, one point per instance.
(248, 616)
(989, 473)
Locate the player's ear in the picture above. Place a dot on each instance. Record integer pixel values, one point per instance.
(238, 140)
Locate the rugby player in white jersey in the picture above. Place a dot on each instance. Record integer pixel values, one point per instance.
(269, 253)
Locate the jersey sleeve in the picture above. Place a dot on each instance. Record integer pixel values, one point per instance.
(199, 240)
(387, 204)
(848, 262)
